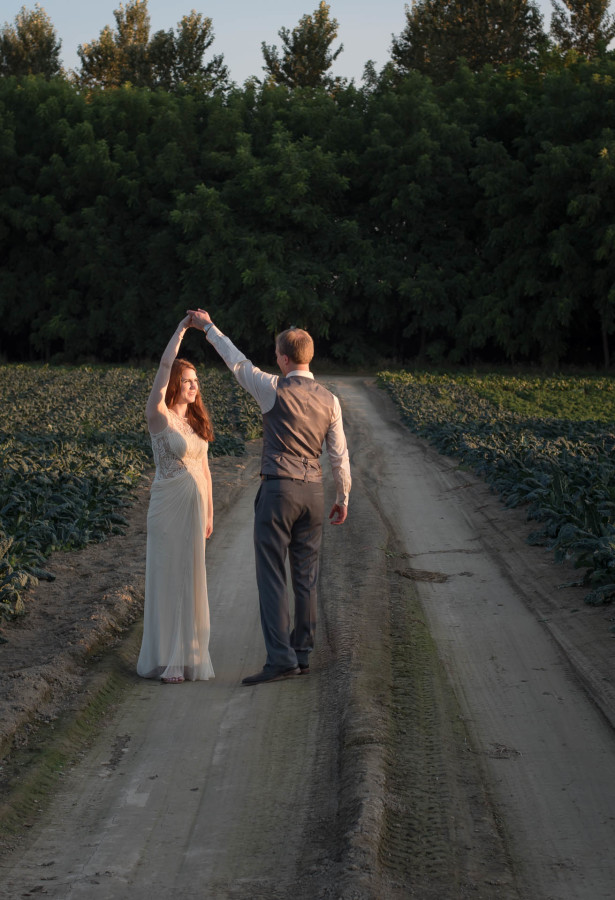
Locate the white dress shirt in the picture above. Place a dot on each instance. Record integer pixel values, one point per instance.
(263, 388)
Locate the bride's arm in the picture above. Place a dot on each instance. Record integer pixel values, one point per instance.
(210, 500)
(156, 408)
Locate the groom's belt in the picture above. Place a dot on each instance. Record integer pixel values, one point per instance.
(280, 478)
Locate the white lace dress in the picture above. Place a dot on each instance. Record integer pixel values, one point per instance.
(176, 625)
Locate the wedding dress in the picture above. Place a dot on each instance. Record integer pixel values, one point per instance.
(176, 625)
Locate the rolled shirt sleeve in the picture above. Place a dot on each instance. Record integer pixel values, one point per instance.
(337, 450)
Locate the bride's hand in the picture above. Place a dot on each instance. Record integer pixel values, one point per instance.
(186, 322)
(200, 317)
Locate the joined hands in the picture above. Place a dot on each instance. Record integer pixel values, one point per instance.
(199, 318)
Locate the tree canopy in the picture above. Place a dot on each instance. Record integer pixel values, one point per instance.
(306, 54)
(170, 60)
(468, 222)
(582, 25)
(176, 58)
(30, 46)
(440, 32)
(461, 216)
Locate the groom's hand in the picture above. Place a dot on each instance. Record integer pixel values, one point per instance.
(338, 514)
(200, 318)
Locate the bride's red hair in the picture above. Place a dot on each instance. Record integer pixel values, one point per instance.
(196, 414)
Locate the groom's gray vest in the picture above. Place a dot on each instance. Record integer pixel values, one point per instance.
(295, 428)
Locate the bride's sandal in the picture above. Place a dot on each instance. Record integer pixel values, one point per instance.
(173, 679)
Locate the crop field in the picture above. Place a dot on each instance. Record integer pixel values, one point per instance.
(73, 444)
(547, 443)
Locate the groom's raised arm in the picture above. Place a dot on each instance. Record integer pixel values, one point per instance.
(260, 384)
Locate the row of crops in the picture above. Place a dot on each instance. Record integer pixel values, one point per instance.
(547, 443)
(73, 445)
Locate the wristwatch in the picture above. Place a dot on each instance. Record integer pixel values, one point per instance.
(207, 326)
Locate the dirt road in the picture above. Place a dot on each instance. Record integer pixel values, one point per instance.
(443, 747)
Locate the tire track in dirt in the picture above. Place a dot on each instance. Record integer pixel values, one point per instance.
(422, 821)
(536, 759)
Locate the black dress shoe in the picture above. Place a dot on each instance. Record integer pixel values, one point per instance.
(266, 675)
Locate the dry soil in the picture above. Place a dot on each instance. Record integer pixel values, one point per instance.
(454, 739)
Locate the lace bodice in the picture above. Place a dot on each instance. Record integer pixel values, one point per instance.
(177, 449)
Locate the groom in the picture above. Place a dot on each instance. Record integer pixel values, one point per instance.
(298, 416)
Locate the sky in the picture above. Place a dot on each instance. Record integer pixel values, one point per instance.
(240, 27)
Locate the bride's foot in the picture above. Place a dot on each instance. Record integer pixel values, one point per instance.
(173, 679)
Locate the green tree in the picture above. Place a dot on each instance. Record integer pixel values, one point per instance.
(582, 25)
(120, 54)
(35, 115)
(177, 58)
(306, 55)
(522, 310)
(483, 32)
(265, 230)
(578, 140)
(169, 60)
(86, 190)
(30, 46)
(546, 293)
(600, 201)
(417, 210)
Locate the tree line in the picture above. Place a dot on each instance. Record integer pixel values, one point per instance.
(436, 35)
(465, 217)
(174, 60)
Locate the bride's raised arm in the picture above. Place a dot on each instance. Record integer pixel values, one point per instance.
(156, 408)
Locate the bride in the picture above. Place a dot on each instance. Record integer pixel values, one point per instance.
(175, 644)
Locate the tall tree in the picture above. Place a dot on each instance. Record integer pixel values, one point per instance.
(440, 32)
(30, 46)
(582, 25)
(119, 55)
(177, 58)
(170, 60)
(306, 55)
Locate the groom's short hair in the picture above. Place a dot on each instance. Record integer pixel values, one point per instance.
(296, 344)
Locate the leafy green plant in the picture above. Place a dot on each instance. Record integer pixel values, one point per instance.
(73, 445)
(546, 443)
